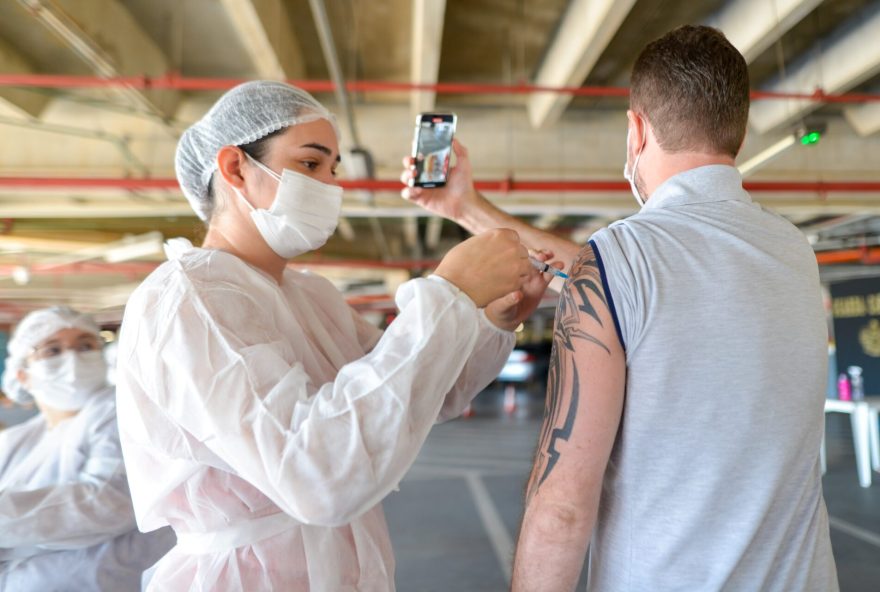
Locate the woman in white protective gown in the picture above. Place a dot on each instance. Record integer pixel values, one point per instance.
(260, 416)
(66, 518)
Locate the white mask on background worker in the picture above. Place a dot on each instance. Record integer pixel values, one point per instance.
(68, 380)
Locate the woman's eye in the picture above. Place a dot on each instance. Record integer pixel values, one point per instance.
(310, 165)
(48, 352)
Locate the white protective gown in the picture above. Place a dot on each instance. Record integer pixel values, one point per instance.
(66, 519)
(265, 423)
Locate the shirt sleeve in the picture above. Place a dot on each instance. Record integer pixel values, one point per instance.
(627, 283)
(94, 508)
(324, 453)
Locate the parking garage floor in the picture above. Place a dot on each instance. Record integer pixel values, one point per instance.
(454, 521)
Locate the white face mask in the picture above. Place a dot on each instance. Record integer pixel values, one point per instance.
(67, 381)
(630, 175)
(302, 217)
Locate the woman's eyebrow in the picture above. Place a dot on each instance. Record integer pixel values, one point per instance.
(321, 148)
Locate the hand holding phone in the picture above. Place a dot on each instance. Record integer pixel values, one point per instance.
(432, 148)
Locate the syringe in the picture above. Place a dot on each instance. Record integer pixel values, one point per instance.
(544, 268)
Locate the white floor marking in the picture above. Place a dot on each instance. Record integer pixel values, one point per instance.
(867, 536)
(501, 541)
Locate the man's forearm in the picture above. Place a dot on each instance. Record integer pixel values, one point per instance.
(484, 215)
(551, 549)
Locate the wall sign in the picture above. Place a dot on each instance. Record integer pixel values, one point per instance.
(855, 306)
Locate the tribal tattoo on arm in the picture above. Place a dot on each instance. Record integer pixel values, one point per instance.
(575, 313)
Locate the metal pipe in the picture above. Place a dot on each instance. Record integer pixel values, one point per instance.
(173, 81)
(325, 34)
(864, 256)
(331, 57)
(85, 46)
(502, 186)
(119, 142)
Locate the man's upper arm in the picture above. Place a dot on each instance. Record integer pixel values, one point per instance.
(585, 391)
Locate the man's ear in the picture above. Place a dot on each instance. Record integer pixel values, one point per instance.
(639, 130)
(229, 161)
(22, 377)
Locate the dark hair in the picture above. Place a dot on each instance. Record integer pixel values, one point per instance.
(257, 150)
(693, 86)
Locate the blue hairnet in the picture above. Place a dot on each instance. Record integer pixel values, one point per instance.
(243, 115)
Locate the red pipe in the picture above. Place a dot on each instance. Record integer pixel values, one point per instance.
(135, 269)
(173, 81)
(491, 186)
(862, 255)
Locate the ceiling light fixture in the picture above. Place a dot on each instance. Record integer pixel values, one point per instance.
(805, 135)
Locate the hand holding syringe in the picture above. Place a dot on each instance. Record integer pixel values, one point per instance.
(545, 268)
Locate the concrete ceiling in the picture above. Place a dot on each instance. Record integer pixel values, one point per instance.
(131, 133)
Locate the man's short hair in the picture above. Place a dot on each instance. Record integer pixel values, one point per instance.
(693, 87)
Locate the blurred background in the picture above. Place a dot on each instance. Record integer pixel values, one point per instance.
(95, 93)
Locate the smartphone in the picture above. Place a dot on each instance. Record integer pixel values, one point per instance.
(432, 147)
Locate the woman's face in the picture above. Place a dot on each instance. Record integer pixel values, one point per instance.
(310, 149)
(64, 340)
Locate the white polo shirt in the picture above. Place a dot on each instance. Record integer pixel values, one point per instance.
(714, 480)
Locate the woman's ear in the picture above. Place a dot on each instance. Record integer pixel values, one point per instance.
(229, 160)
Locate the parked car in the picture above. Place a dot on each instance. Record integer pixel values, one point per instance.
(527, 365)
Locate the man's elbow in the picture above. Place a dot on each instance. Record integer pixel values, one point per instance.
(560, 522)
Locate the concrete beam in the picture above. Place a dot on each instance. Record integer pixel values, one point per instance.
(865, 119)
(24, 102)
(611, 205)
(67, 208)
(586, 28)
(264, 28)
(105, 35)
(850, 57)
(427, 41)
(752, 26)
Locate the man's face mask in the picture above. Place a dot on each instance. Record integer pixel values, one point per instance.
(67, 381)
(630, 175)
(303, 215)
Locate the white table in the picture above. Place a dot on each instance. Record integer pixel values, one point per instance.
(866, 435)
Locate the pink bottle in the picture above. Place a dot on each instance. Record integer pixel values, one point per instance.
(844, 391)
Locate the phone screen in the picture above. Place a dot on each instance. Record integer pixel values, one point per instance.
(432, 148)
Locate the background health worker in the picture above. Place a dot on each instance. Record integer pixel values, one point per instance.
(66, 519)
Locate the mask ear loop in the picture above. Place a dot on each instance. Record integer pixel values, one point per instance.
(263, 168)
(639, 156)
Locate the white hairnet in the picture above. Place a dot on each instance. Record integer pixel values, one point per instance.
(34, 329)
(243, 115)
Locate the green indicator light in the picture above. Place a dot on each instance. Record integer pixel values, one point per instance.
(811, 138)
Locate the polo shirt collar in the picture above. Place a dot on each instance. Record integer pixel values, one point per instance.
(705, 184)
